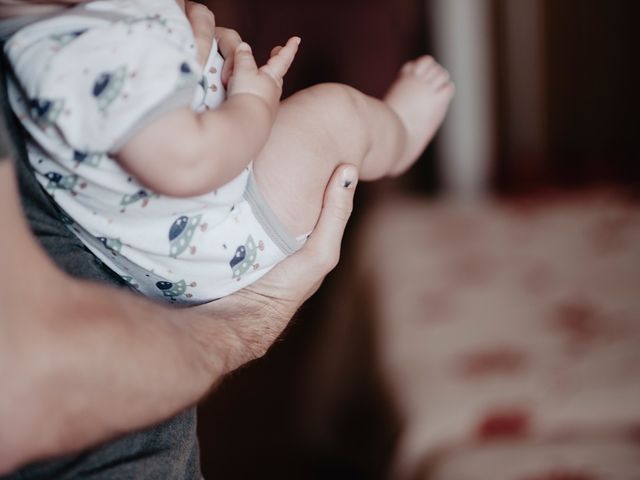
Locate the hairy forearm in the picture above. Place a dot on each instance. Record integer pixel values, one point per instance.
(81, 363)
(87, 372)
(102, 362)
(187, 154)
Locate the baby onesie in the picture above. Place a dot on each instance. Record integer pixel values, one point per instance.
(84, 82)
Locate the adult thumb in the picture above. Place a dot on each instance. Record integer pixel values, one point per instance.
(324, 243)
(243, 58)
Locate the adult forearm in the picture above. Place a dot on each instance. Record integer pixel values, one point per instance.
(81, 362)
(103, 362)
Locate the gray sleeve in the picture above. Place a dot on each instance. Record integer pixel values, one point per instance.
(6, 149)
(5, 143)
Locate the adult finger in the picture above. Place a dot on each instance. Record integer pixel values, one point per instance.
(243, 58)
(228, 40)
(297, 277)
(322, 251)
(227, 72)
(196, 12)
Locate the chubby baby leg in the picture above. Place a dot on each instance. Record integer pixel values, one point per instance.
(315, 130)
(329, 124)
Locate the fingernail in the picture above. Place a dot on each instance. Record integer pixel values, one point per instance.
(244, 46)
(350, 177)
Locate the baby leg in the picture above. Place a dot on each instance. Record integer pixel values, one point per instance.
(325, 125)
(315, 130)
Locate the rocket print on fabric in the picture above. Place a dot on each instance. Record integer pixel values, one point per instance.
(88, 159)
(181, 234)
(244, 258)
(150, 20)
(173, 291)
(141, 196)
(45, 112)
(113, 244)
(57, 181)
(108, 86)
(64, 39)
(186, 76)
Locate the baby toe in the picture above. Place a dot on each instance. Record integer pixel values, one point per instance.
(441, 78)
(448, 88)
(408, 68)
(424, 65)
(435, 73)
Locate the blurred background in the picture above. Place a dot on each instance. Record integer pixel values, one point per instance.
(484, 321)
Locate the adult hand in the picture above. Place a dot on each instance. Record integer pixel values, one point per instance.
(265, 308)
(203, 24)
(90, 334)
(83, 335)
(295, 279)
(228, 40)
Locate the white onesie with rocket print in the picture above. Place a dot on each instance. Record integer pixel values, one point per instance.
(84, 82)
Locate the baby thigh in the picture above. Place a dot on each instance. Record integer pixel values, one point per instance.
(315, 130)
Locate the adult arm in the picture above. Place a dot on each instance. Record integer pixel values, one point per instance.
(81, 363)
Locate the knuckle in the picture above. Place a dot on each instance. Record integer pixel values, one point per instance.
(196, 8)
(206, 13)
(325, 260)
(201, 12)
(331, 261)
(205, 10)
(343, 212)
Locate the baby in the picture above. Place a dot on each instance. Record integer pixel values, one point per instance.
(179, 167)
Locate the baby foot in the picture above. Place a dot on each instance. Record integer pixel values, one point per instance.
(420, 96)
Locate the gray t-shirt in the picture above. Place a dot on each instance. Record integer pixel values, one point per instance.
(168, 451)
(6, 149)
